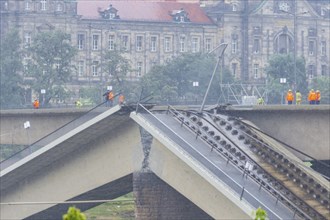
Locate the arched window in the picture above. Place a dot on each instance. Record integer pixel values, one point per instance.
(283, 42)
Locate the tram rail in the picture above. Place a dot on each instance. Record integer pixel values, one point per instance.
(278, 174)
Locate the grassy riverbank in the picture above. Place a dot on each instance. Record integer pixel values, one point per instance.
(122, 208)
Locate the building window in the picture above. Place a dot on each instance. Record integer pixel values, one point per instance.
(311, 71)
(43, 5)
(81, 68)
(195, 45)
(182, 44)
(27, 39)
(208, 44)
(139, 69)
(80, 41)
(311, 47)
(234, 7)
(112, 15)
(234, 69)
(284, 44)
(234, 46)
(124, 43)
(256, 45)
(139, 43)
(59, 7)
(95, 45)
(167, 44)
(312, 32)
(95, 68)
(256, 71)
(324, 70)
(111, 42)
(323, 48)
(27, 5)
(153, 44)
(182, 19)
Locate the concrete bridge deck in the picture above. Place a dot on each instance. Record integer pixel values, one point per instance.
(104, 154)
(304, 127)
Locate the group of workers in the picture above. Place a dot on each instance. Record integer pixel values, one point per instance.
(109, 98)
(314, 97)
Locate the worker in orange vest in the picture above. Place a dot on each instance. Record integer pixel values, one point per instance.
(121, 99)
(36, 104)
(289, 97)
(312, 97)
(110, 98)
(318, 97)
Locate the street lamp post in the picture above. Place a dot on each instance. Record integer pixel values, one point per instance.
(294, 46)
(220, 51)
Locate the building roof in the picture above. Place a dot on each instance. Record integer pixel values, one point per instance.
(139, 10)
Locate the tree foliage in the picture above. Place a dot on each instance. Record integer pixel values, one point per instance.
(117, 71)
(260, 214)
(282, 66)
(74, 214)
(50, 66)
(173, 81)
(116, 68)
(11, 89)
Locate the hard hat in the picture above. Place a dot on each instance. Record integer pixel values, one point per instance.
(312, 90)
(290, 90)
(317, 90)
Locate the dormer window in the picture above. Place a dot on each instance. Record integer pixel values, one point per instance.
(180, 15)
(109, 13)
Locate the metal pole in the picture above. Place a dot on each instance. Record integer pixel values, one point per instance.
(208, 88)
(222, 47)
(294, 45)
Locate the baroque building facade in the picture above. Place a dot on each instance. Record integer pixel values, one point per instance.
(152, 32)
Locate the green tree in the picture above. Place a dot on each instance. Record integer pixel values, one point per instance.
(173, 81)
(11, 82)
(90, 94)
(116, 68)
(282, 66)
(74, 214)
(50, 66)
(260, 214)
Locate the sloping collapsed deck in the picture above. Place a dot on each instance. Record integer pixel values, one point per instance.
(229, 149)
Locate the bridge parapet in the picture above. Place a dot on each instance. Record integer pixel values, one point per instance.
(305, 127)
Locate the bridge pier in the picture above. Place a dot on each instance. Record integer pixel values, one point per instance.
(155, 199)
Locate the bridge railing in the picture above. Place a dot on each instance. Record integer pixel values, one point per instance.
(237, 188)
(54, 135)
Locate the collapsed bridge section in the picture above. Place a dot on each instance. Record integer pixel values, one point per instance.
(255, 170)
